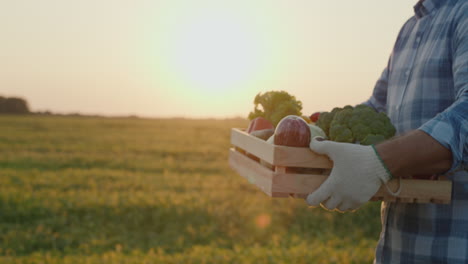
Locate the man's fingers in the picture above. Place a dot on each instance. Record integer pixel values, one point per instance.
(332, 203)
(318, 145)
(346, 206)
(317, 197)
(321, 146)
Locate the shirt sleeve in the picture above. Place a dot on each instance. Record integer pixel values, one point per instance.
(378, 100)
(450, 128)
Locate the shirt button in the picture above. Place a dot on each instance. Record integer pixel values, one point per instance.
(418, 39)
(407, 73)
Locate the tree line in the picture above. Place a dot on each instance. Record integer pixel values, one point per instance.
(13, 105)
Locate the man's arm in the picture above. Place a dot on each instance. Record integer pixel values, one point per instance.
(415, 153)
(359, 171)
(441, 143)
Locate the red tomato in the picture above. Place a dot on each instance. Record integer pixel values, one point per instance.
(314, 117)
(259, 123)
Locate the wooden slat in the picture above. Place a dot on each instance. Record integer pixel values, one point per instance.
(279, 155)
(280, 169)
(253, 145)
(406, 200)
(284, 183)
(299, 184)
(419, 200)
(300, 157)
(253, 171)
(423, 190)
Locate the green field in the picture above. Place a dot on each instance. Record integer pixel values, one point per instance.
(127, 190)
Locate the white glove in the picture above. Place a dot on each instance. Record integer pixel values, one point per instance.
(357, 174)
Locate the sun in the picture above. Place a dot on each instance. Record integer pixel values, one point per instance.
(214, 52)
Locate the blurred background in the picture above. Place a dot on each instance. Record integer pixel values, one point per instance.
(193, 58)
(116, 119)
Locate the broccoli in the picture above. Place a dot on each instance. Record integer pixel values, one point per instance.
(341, 133)
(275, 105)
(360, 124)
(326, 118)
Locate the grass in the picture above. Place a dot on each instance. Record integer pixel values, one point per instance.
(127, 190)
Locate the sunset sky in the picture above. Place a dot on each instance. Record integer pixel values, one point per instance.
(199, 58)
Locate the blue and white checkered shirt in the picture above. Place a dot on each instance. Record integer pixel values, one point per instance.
(425, 86)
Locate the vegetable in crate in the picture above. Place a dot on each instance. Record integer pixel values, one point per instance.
(261, 128)
(259, 123)
(292, 131)
(314, 117)
(316, 131)
(263, 133)
(360, 124)
(275, 105)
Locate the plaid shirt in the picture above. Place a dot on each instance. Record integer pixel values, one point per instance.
(425, 86)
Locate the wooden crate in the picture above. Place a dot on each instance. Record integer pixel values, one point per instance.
(282, 171)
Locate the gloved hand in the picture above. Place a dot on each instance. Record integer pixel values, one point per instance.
(357, 174)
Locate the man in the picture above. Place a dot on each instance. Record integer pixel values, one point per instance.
(424, 91)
